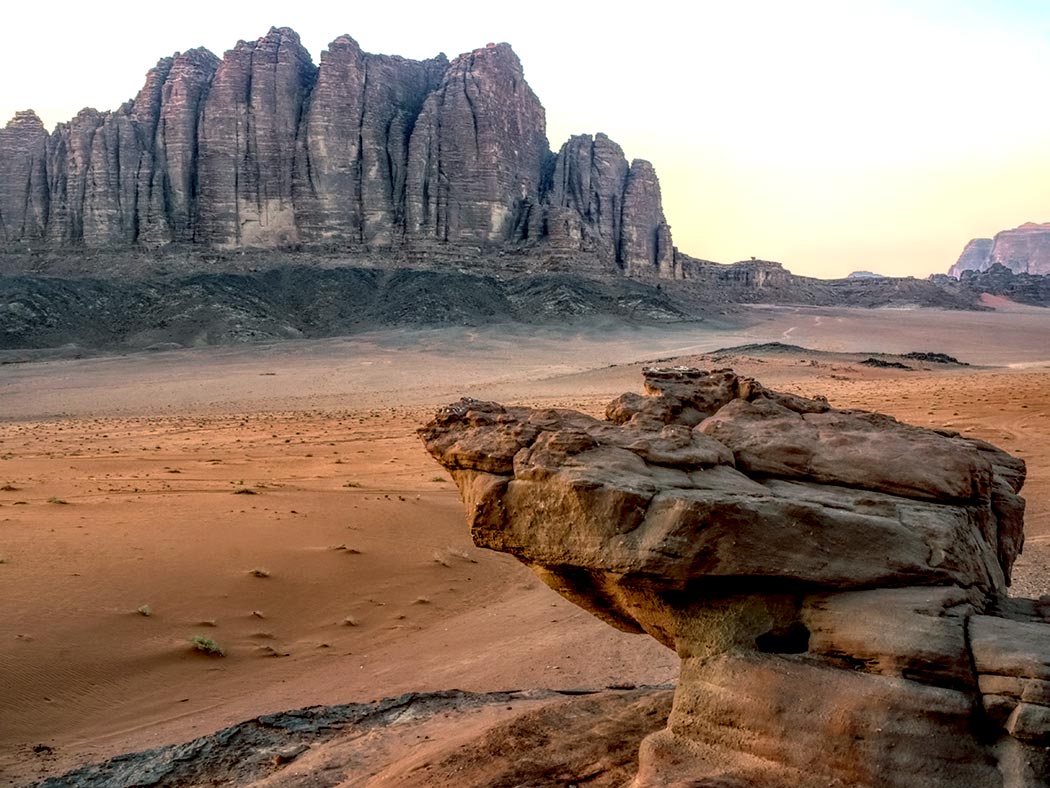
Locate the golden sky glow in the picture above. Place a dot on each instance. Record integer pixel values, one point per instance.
(824, 135)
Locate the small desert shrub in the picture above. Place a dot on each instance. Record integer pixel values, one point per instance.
(206, 645)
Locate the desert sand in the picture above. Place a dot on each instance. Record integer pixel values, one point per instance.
(276, 500)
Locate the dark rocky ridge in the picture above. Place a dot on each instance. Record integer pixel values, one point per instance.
(363, 152)
(546, 738)
(997, 279)
(221, 308)
(165, 299)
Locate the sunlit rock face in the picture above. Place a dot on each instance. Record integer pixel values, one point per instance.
(1023, 250)
(834, 581)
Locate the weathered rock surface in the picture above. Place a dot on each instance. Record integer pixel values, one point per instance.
(365, 152)
(352, 163)
(1024, 250)
(449, 739)
(833, 581)
(23, 179)
(975, 256)
(249, 123)
(997, 279)
(477, 154)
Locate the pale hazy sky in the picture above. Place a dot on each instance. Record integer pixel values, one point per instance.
(831, 136)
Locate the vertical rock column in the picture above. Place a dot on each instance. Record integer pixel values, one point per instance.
(248, 131)
(353, 149)
(645, 247)
(23, 179)
(585, 202)
(168, 186)
(477, 154)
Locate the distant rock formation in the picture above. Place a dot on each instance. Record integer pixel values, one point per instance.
(833, 581)
(999, 280)
(363, 152)
(1024, 250)
(864, 275)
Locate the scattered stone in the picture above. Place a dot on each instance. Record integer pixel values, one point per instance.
(882, 363)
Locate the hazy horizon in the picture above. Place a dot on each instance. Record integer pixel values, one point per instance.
(826, 137)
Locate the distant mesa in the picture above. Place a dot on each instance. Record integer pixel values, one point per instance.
(864, 275)
(266, 149)
(1023, 250)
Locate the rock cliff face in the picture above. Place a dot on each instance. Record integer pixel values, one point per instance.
(368, 152)
(1024, 250)
(833, 581)
(24, 195)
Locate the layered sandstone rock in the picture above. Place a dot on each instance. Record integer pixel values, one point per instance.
(23, 179)
(248, 128)
(353, 147)
(646, 248)
(365, 152)
(598, 202)
(477, 153)
(1024, 250)
(168, 204)
(833, 581)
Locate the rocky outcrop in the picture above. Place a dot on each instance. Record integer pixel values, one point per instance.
(249, 124)
(477, 154)
(646, 248)
(1024, 250)
(833, 581)
(450, 739)
(23, 179)
(366, 152)
(352, 169)
(597, 202)
(997, 279)
(864, 275)
(223, 307)
(975, 256)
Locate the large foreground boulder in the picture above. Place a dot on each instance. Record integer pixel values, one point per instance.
(834, 581)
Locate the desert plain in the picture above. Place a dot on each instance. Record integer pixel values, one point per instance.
(275, 500)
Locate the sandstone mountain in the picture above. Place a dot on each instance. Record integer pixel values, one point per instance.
(834, 582)
(1024, 250)
(363, 152)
